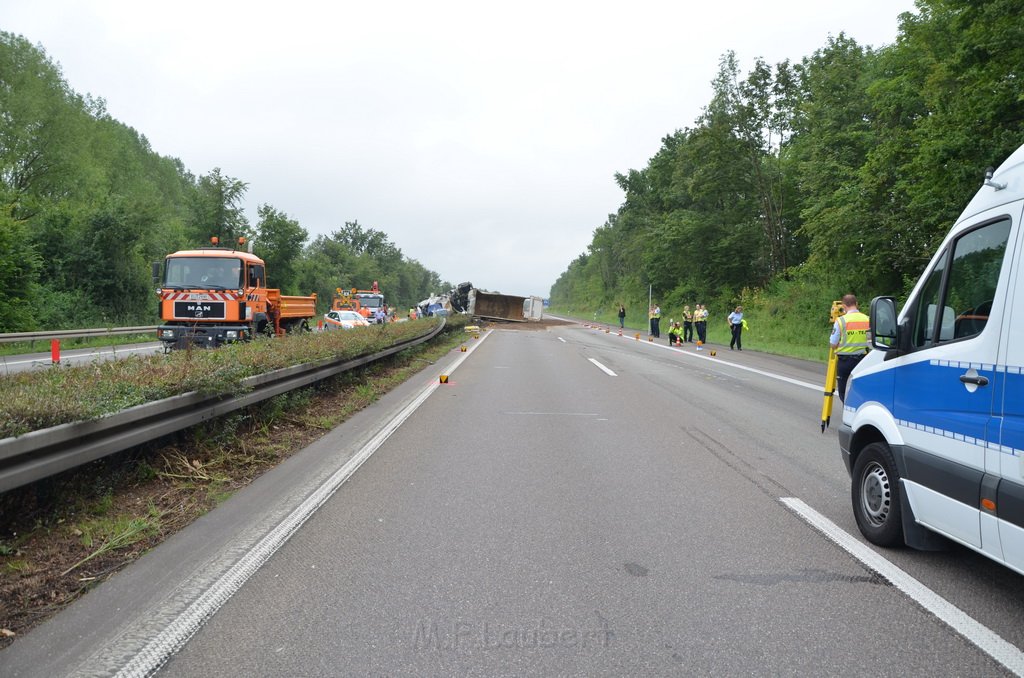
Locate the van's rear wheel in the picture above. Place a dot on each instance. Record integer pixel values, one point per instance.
(876, 496)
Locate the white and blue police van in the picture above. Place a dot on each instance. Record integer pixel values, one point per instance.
(933, 423)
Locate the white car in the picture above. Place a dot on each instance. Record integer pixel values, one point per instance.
(344, 320)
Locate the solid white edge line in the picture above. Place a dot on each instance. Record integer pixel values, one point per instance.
(174, 636)
(603, 368)
(973, 631)
(81, 356)
(720, 361)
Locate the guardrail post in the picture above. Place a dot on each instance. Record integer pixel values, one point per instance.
(55, 351)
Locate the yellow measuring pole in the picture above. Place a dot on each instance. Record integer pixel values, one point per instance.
(830, 372)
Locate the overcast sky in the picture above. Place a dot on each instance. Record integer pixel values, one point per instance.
(483, 138)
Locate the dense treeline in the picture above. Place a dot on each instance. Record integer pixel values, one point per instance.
(86, 205)
(800, 182)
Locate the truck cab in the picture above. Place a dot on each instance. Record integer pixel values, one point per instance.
(216, 295)
(933, 423)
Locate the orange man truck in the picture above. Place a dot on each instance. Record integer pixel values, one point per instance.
(216, 295)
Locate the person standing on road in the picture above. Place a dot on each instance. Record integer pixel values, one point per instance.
(687, 324)
(655, 316)
(736, 326)
(850, 341)
(700, 319)
(622, 317)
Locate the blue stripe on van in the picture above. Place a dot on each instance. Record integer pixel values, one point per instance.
(940, 404)
(1011, 382)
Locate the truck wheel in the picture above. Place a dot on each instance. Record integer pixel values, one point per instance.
(876, 496)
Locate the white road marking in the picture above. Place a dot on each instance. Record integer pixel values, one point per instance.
(719, 361)
(562, 340)
(603, 368)
(175, 634)
(41, 361)
(557, 414)
(79, 357)
(972, 630)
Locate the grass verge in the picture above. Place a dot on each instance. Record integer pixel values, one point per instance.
(58, 395)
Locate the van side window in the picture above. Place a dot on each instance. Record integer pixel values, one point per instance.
(924, 316)
(956, 304)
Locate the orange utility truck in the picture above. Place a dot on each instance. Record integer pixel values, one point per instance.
(344, 301)
(364, 302)
(217, 295)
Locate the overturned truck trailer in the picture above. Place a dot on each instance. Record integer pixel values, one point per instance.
(496, 306)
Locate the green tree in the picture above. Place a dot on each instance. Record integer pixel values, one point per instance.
(18, 265)
(833, 135)
(217, 208)
(279, 242)
(41, 130)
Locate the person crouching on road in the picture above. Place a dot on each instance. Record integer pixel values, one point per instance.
(736, 325)
(675, 334)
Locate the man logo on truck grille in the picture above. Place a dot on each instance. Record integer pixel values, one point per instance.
(191, 309)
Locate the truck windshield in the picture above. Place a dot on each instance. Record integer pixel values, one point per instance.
(203, 273)
(370, 300)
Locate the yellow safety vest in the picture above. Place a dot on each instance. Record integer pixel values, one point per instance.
(853, 333)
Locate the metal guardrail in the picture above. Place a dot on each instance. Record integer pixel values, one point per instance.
(46, 452)
(9, 337)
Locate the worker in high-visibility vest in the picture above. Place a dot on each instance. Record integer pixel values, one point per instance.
(700, 323)
(687, 324)
(655, 318)
(675, 334)
(850, 341)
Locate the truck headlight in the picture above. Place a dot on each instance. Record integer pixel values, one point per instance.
(231, 334)
(167, 334)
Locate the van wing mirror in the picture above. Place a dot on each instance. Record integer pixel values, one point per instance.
(884, 328)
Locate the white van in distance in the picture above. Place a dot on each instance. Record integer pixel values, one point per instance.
(933, 423)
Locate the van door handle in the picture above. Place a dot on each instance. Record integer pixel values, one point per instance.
(978, 380)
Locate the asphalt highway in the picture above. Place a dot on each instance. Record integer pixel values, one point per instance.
(571, 502)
